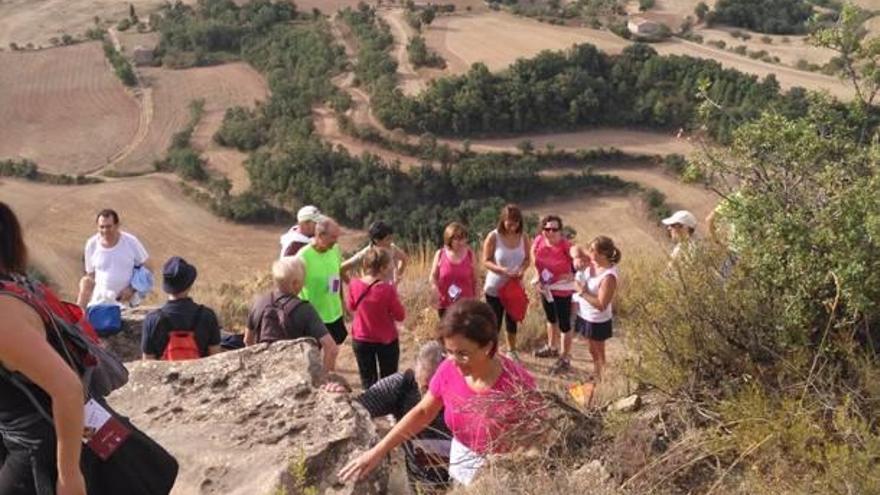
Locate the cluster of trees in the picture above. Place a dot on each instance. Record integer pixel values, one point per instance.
(763, 16)
(420, 56)
(121, 66)
(181, 157)
(28, 169)
(289, 165)
(215, 30)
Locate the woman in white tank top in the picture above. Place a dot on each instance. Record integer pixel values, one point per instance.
(506, 255)
(596, 287)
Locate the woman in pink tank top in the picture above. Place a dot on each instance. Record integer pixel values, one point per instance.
(453, 273)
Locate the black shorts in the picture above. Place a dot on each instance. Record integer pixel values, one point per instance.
(337, 330)
(558, 311)
(594, 331)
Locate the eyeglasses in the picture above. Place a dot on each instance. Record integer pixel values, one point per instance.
(675, 226)
(551, 229)
(459, 356)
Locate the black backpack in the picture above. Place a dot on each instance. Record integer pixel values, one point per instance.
(273, 323)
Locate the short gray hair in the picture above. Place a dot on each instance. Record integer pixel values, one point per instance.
(431, 354)
(287, 271)
(325, 224)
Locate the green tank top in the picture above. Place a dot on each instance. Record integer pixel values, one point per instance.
(323, 284)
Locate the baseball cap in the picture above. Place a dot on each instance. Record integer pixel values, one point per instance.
(308, 213)
(683, 217)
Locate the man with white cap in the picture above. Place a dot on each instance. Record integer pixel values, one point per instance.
(681, 226)
(301, 234)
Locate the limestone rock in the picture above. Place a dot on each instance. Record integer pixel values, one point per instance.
(626, 404)
(127, 343)
(245, 422)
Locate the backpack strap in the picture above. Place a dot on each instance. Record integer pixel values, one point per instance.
(364, 294)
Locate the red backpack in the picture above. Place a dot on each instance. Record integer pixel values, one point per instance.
(70, 334)
(182, 344)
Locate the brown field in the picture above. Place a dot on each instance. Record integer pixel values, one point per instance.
(498, 39)
(58, 219)
(171, 92)
(32, 21)
(64, 108)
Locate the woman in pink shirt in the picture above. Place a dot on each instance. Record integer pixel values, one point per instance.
(376, 307)
(486, 398)
(453, 272)
(554, 264)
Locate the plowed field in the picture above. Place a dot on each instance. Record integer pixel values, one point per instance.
(64, 108)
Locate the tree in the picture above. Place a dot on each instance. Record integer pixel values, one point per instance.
(859, 56)
(428, 15)
(701, 10)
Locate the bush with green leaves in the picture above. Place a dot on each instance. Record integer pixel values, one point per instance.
(776, 359)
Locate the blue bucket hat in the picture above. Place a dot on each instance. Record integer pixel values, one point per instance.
(177, 275)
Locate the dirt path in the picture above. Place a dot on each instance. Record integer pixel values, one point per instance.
(410, 82)
(626, 140)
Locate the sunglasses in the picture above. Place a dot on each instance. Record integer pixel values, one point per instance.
(551, 229)
(675, 226)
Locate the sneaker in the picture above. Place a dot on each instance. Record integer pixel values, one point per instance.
(547, 352)
(561, 366)
(513, 356)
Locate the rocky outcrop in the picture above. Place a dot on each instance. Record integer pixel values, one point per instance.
(127, 343)
(251, 422)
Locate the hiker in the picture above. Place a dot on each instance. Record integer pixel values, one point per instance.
(381, 235)
(427, 454)
(300, 235)
(281, 315)
(376, 308)
(487, 399)
(681, 226)
(111, 256)
(180, 329)
(322, 261)
(506, 256)
(32, 450)
(453, 272)
(596, 286)
(552, 253)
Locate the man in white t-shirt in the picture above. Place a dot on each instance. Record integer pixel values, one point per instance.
(110, 258)
(300, 235)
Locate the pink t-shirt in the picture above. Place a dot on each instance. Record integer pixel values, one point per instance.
(455, 280)
(553, 262)
(376, 313)
(477, 419)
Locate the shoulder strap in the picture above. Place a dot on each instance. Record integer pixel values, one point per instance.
(362, 296)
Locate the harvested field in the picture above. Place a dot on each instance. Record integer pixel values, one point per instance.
(626, 140)
(64, 108)
(498, 39)
(57, 220)
(221, 86)
(33, 21)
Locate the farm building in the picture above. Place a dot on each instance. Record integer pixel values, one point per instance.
(142, 55)
(643, 27)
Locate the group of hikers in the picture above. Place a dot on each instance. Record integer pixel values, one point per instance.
(315, 290)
